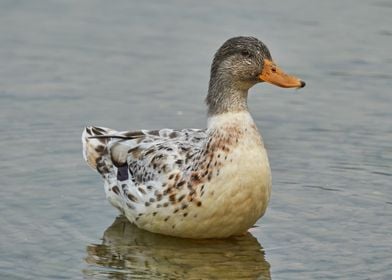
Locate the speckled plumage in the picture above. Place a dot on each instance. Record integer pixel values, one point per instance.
(193, 183)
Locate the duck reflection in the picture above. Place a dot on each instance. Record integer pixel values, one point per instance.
(128, 252)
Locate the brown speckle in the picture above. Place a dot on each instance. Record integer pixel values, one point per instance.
(141, 190)
(154, 214)
(198, 204)
(195, 177)
(165, 168)
(181, 198)
(167, 218)
(172, 198)
(180, 184)
(147, 204)
(165, 204)
(170, 189)
(185, 214)
(149, 152)
(132, 197)
(116, 190)
(171, 176)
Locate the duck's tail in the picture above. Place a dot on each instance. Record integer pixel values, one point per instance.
(95, 147)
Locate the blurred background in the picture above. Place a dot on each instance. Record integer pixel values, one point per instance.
(145, 64)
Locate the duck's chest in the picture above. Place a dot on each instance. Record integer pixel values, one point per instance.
(240, 162)
(232, 183)
(237, 164)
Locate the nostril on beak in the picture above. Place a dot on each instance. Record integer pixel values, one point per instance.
(302, 84)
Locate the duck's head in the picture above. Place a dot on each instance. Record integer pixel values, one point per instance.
(239, 64)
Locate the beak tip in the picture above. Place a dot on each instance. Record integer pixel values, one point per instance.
(303, 84)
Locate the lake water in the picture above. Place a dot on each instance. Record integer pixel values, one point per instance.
(134, 64)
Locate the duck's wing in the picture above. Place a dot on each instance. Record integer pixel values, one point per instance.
(127, 147)
(137, 164)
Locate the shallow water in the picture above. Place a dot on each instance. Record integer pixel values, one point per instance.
(65, 64)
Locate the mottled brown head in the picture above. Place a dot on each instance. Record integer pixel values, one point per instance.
(240, 63)
(241, 58)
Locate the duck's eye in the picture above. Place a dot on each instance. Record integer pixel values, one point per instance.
(246, 53)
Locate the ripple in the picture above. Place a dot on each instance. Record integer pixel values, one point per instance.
(382, 173)
(322, 188)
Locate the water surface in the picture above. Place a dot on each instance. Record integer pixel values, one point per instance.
(132, 65)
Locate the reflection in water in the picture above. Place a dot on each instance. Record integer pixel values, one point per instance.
(128, 253)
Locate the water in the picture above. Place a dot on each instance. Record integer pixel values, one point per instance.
(132, 65)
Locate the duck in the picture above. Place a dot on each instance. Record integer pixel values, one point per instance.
(196, 183)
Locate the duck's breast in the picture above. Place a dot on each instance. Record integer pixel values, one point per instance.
(237, 196)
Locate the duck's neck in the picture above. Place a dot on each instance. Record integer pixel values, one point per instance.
(226, 96)
(232, 122)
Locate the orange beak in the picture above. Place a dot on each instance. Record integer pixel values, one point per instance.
(274, 75)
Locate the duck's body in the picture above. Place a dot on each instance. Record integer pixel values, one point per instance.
(191, 183)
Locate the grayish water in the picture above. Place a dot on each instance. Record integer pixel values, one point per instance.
(132, 65)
